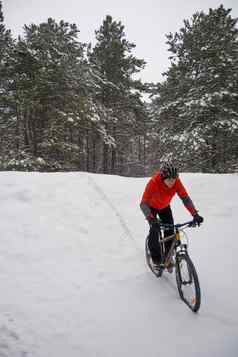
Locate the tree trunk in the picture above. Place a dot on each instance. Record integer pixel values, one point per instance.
(87, 151)
(114, 154)
(105, 158)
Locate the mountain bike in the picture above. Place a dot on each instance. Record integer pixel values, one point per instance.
(186, 275)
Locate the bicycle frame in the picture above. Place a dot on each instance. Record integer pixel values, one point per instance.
(175, 237)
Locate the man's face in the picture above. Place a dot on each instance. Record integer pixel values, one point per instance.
(169, 182)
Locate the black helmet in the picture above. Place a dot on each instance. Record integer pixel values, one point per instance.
(168, 170)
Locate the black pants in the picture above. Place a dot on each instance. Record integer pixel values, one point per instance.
(165, 216)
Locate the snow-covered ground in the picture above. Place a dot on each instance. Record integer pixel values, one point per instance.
(73, 277)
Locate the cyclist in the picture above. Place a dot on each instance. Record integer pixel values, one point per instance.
(155, 202)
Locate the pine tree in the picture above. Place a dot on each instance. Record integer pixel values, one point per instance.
(197, 105)
(7, 106)
(113, 60)
(51, 84)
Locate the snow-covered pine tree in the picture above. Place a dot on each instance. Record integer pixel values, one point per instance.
(51, 86)
(8, 118)
(119, 93)
(196, 108)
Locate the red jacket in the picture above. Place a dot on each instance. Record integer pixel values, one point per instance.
(157, 195)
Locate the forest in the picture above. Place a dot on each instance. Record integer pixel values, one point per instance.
(70, 106)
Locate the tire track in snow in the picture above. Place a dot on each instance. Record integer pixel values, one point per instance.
(104, 197)
(10, 344)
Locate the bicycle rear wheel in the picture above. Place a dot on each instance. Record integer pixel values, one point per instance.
(149, 261)
(187, 281)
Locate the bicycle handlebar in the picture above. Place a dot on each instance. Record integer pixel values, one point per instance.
(178, 225)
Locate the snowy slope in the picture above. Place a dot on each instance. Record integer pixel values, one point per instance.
(74, 280)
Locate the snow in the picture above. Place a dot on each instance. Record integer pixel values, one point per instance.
(74, 281)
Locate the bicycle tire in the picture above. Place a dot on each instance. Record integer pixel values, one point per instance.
(189, 290)
(149, 261)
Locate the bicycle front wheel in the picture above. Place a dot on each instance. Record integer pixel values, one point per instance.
(187, 281)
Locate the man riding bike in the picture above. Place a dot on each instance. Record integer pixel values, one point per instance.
(156, 199)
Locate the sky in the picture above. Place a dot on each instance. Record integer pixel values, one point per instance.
(74, 280)
(146, 22)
